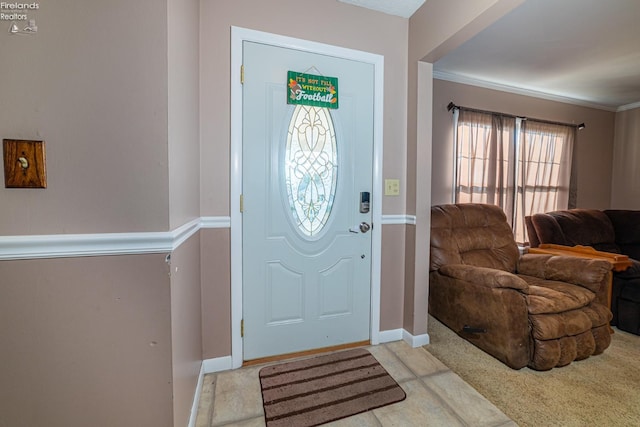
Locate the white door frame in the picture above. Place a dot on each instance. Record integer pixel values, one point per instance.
(238, 36)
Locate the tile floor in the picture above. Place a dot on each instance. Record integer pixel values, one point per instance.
(435, 396)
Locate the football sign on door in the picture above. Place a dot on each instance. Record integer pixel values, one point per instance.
(309, 89)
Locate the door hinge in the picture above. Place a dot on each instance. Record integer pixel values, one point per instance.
(242, 74)
(241, 328)
(241, 203)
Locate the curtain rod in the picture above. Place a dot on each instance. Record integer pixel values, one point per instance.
(453, 106)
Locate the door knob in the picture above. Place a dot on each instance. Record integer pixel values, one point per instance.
(364, 227)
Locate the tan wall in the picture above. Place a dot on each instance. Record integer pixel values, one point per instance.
(183, 110)
(392, 277)
(625, 192)
(186, 329)
(92, 83)
(86, 341)
(412, 285)
(113, 89)
(216, 293)
(593, 149)
(183, 89)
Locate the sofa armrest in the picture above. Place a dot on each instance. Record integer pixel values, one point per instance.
(488, 277)
(546, 230)
(588, 273)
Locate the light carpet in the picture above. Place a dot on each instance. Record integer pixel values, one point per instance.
(315, 391)
(603, 390)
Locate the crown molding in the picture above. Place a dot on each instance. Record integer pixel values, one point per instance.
(628, 107)
(455, 78)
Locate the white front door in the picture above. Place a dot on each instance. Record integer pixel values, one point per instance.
(306, 249)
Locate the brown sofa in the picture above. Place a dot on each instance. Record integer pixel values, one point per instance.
(616, 231)
(531, 310)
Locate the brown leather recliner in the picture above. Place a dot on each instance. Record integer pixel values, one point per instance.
(539, 311)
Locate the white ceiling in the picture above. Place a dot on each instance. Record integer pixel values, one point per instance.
(581, 51)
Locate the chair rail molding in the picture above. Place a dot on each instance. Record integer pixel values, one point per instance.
(100, 244)
(399, 219)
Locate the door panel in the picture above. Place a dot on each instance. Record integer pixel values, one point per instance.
(306, 286)
(335, 298)
(285, 293)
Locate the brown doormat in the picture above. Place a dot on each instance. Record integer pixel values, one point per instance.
(326, 388)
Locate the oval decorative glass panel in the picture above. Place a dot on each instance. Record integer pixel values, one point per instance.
(311, 168)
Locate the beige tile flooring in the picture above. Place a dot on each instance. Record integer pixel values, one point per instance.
(435, 396)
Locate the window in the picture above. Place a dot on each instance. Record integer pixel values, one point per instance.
(311, 168)
(521, 165)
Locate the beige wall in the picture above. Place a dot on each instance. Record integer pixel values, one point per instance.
(113, 340)
(593, 149)
(186, 327)
(392, 277)
(113, 89)
(92, 83)
(183, 92)
(625, 191)
(86, 341)
(183, 110)
(216, 293)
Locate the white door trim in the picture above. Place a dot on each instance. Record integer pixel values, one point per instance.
(238, 36)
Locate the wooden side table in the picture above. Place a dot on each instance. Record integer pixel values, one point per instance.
(618, 261)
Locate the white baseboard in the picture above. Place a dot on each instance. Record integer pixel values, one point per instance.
(225, 363)
(207, 367)
(390, 335)
(196, 398)
(401, 334)
(218, 364)
(415, 340)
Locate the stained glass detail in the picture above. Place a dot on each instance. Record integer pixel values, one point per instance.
(310, 168)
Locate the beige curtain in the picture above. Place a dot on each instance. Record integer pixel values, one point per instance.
(485, 170)
(544, 174)
(523, 177)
